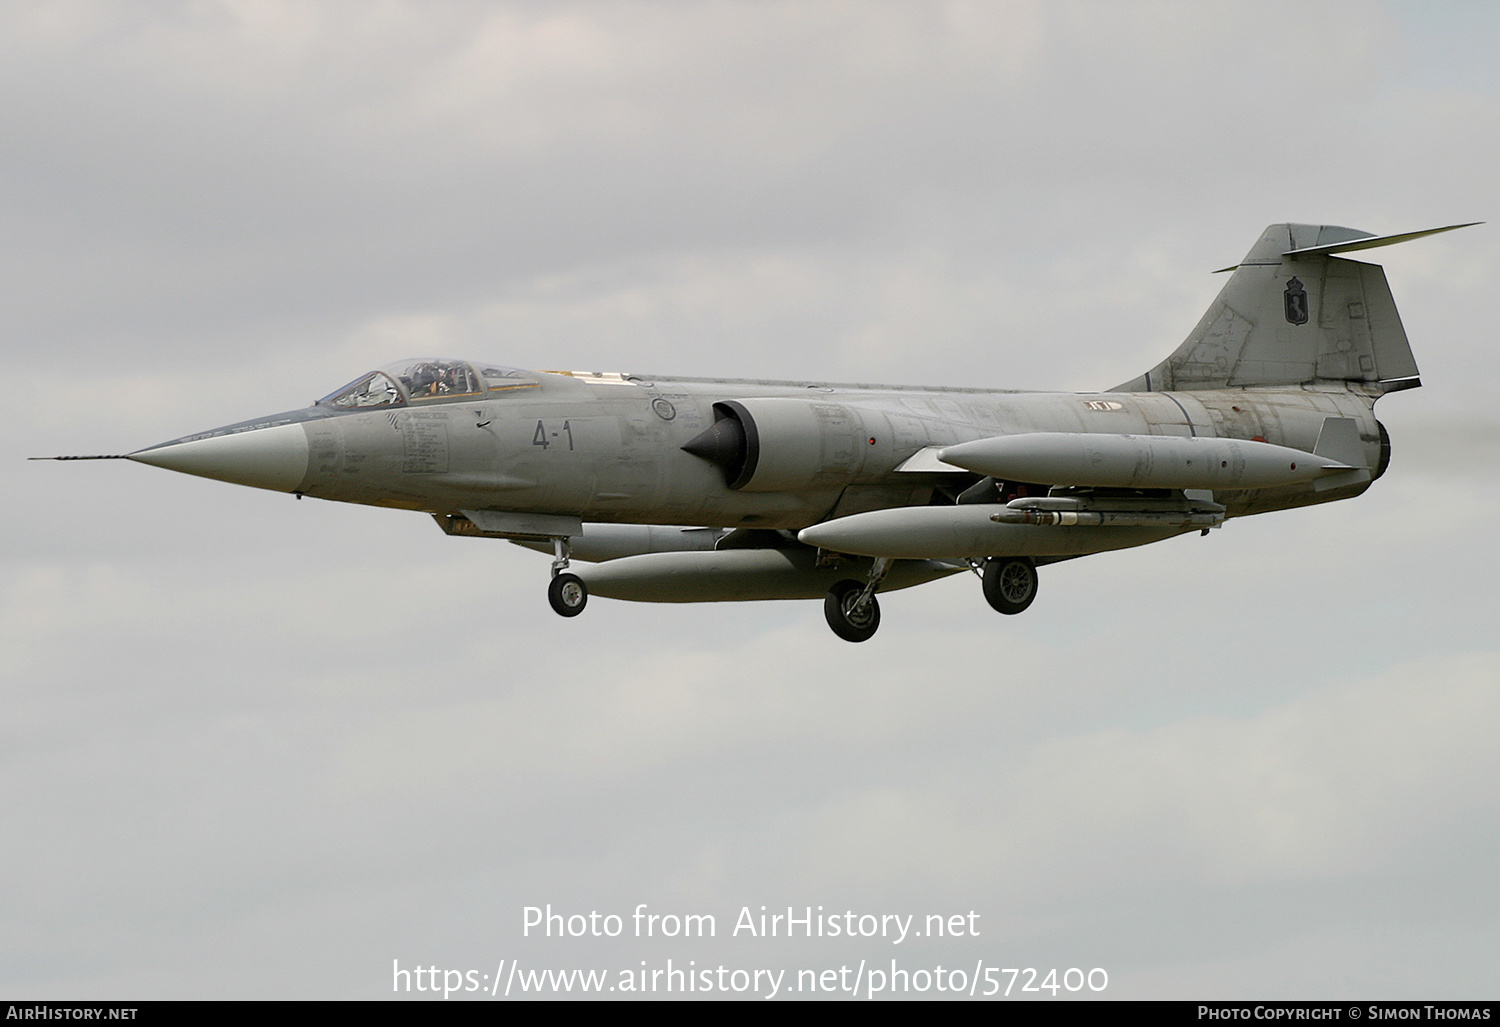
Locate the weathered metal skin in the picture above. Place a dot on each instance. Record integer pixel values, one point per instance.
(611, 458)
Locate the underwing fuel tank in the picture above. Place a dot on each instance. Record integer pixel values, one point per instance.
(1139, 461)
(959, 532)
(741, 574)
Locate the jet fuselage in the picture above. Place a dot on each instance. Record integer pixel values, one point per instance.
(608, 448)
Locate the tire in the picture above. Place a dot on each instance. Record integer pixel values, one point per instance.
(838, 608)
(1010, 583)
(568, 594)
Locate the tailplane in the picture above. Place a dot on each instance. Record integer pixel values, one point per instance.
(1292, 313)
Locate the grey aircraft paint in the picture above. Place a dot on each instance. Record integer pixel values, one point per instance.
(692, 489)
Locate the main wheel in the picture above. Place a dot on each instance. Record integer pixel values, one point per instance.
(567, 593)
(849, 621)
(1009, 583)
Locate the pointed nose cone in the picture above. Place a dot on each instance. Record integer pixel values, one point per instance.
(266, 458)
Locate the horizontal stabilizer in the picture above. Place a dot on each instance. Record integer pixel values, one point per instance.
(1345, 240)
(1373, 241)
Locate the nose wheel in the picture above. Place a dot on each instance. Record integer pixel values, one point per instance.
(1009, 583)
(568, 594)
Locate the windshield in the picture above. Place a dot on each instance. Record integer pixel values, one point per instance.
(421, 381)
(373, 390)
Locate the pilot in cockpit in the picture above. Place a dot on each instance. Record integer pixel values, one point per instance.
(427, 380)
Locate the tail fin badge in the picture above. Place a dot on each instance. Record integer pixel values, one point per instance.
(1296, 302)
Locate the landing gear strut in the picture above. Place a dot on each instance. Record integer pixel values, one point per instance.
(1009, 583)
(851, 608)
(566, 592)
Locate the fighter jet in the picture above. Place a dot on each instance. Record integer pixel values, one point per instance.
(699, 490)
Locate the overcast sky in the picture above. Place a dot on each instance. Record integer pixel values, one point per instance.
(251, 747)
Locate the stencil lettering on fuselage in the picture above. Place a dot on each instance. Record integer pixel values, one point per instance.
(325, 447)
(424, 440)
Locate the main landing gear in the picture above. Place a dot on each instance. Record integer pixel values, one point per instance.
(851, 608)
(1009, 583)
(566, 592)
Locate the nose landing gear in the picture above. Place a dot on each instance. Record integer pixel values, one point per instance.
(566, 592)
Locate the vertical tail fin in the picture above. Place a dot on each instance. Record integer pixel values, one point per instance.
(1291, 313)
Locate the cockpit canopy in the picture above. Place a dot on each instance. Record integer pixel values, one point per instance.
(427, 380)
